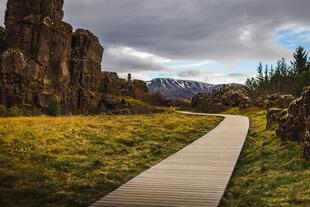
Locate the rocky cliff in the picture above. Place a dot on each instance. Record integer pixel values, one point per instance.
(41, 59)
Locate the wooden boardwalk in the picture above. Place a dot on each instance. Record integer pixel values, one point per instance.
(195, 176)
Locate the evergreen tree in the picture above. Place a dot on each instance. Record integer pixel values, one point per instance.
(260, 75)
(284, 70)
(249, 84)
(300, 62)
(266, 74)
(283, 78)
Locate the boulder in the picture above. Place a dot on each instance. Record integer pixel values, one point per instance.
(230, 95)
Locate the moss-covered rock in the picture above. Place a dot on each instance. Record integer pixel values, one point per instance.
(295, 124)
(230, 95)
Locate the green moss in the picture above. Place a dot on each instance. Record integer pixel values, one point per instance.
(73, 161)
(270, 172)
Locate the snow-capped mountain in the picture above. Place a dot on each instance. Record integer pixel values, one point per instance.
(179, 89)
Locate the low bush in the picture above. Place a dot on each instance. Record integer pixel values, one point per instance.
(3, 111)
(53, 108)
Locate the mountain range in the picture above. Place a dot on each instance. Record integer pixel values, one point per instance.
(179, 89)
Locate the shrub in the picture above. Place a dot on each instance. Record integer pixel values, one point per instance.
(3, 111)
(15, 111)
(53, 108)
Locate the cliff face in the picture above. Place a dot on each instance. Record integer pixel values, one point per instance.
(42, 59)
(86, 57)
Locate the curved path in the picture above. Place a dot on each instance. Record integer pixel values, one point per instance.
(195, 176)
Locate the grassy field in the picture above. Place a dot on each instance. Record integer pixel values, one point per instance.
(270, 172)
(73, 161)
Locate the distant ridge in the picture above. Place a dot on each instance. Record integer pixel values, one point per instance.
(179, 89)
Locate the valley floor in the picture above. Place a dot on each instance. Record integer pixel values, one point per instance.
(73, 161)
(270, 172)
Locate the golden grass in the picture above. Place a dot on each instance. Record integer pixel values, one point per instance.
(73, 161)
(270, 172)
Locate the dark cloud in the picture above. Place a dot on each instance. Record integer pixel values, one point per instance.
(192, 29)
(220, 30)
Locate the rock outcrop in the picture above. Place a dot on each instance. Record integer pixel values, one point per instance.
(277, 106)
(42, 59)
(274, 115)
(295, 124)
(112, 84)
(86, 57)
(35, 62)
(279, 101)
(230, 95)
(136, 89)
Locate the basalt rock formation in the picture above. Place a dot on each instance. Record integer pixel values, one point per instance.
(295, 123)
(230, 95)
(274, 115)
(112, 84)
(41, 59)
(277, 106)
(278, 101)
(86, 57)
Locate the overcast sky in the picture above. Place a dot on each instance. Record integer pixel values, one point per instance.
(216, 41)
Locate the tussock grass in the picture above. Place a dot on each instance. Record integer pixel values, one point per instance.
(270, 172)
(73, 161)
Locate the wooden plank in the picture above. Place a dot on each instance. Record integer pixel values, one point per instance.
(195, 176)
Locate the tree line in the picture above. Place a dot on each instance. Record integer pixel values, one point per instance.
(283, 77)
